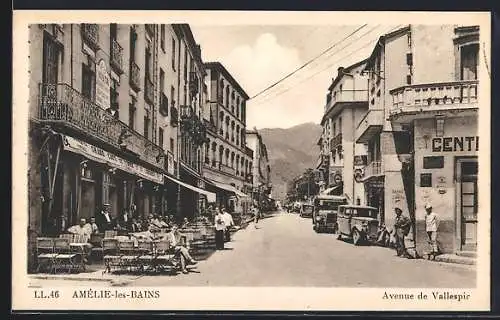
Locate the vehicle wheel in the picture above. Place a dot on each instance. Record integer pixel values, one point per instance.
(356, 237)
(316, 228)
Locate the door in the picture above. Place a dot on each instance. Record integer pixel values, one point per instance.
(468, 202)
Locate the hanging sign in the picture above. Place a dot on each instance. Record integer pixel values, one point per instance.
(103, 85)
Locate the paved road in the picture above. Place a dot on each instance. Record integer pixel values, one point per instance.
(285, 251)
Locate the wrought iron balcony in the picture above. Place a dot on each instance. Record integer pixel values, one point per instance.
(371, 124)
(373, 169)
(163, 104)
(63, 106)
(336, 141)
(174, 116)
(90, 34)
(149, 90)
(416, 100)
(135, 76)
(116, 56)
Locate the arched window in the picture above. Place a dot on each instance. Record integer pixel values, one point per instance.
(227, 97)
(232, 159)
(243, 168)
(221, 91)
(237, 164)
(238, 107)
(237, 135)
(207, 152)
(221, 123)
(227, 157)
(214, 150)
(221, 154)
(232, 131)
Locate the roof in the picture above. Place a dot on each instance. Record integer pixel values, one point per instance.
(346, 70)
(382, 40)
(220, 67)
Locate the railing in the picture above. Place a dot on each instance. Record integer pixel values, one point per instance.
(90, 33)
(135, 76)
(371, 123)
(149, 90)
(163, 104)
(348, 96)
(150, 28)
(435, 95)
(174, 116)
(374, 168)
(336, 141)
(61, 104)
(116, 55)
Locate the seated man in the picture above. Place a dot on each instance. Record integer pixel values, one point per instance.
(92, 226)
(174, 237)
(80, 229)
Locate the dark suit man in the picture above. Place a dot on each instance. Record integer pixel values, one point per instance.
(104, 219)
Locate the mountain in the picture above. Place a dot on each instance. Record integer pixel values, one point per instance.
(290, 151)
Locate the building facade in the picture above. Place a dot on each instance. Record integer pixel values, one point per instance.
(421, 130)
(261, 170)
(342, 159)
(227, 162)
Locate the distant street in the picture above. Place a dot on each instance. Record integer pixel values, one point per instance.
(285, 251)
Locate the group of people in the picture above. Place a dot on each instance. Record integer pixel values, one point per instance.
(223, 223)
(402, 227)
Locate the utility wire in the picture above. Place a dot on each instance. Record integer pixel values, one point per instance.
(330, 65)
(331, 54)
(308, 62)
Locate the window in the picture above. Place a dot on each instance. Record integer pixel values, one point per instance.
(50, 60)
(172, 95)
(334, 128)
(133, 39)
(162, 80)
(131, 115)
(113, 31)
(146, 126)
(114, 97)
(162, 37)
(469, 61)
(172, 145)
(408, 79)
(426, 179)
(88, 82)
(340, 125)
(148, 65)
(160, 137)
(173, 53)
(434, 162)
(227, 97)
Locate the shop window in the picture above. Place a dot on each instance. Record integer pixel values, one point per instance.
(433, 162)
(426, 179)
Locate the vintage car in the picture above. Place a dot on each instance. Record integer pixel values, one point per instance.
(358, 223)
(306, 210)
(324, 217)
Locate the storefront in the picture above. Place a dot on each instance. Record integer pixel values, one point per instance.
(374, 195)
(446, 176)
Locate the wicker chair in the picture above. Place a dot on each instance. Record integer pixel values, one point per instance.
(111, 254)
(164, 256)
(65, 258)
(145, 258)
(45, 254)
(128, 255)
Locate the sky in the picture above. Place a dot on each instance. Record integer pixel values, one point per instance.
(258, 56)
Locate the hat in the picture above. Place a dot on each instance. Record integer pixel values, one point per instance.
(428, 206)
(398, 209)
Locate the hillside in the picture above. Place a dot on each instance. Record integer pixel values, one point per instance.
(291, 151)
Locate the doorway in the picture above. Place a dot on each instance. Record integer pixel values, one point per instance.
(467, 204)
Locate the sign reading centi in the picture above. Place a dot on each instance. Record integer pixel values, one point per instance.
(455, 144)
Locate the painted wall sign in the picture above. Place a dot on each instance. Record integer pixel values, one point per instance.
(397, 196)
(455, 144)
(103, 85)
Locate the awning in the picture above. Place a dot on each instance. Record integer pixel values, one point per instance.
(210, 195)
(330, 190)
(228, 187)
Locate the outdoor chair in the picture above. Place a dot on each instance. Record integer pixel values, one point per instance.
(45, 253)
(65, 258)
(96, 242)
(128, 254)
(145, 255)
(111, 254)
(164, 255)
(109, 234)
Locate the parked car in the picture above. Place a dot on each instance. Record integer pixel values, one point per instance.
(306, 210)
(324, 217)
(358, 223)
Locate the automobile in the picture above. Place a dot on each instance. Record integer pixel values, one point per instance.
(306, 210)
(358, 223)
(296, 206)
(324, 217)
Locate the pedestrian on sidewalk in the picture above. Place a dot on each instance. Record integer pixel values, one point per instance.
(402, 229)
(219, 230)
(431, 226)
(228, 223)
(256, 215)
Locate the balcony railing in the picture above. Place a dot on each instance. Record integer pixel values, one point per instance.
(370, 125)
(348, 96)
(90, 34)
(60, 104)
(163, 104)
(174, 116)
(135, 76)
(336, 141)
(434, 97)
(149, 90)
(116, 56)
(373, 169)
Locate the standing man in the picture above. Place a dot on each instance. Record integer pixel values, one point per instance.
(219, 230)
(228, 222)
(402, 228)
(431, 226)
(256, 215)
(105, 222)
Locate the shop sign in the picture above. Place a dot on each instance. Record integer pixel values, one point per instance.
(99, 155)
(103, 85)
(455, 144)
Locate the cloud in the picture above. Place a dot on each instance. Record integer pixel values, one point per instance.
(264, 62)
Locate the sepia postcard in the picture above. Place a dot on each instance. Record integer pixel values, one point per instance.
(296, 161)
